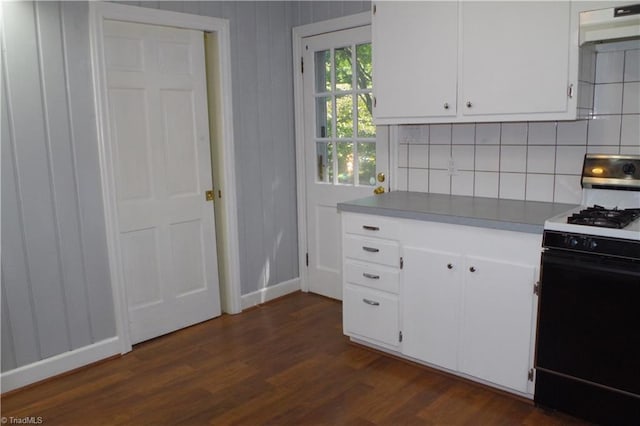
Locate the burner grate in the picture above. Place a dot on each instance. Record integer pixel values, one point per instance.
(605, 218)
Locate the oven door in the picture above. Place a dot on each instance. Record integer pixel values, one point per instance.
(589, 319)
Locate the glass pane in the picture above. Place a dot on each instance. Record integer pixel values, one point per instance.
(366, 128)
(367, 163)
(363, 66)
(343, 69)
(345, 163)
(324, 114)
(323, 71)
(344, 116)
(324, 161)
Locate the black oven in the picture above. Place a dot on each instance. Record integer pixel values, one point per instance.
(588, 341)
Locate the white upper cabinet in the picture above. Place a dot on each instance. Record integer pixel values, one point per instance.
(415, 57)
(474, 61)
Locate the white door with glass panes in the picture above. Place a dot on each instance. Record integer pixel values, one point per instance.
(342, 159)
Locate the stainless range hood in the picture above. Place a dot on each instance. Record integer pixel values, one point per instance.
(611, 24)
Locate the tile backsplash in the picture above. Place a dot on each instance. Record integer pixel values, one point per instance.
(538, 161)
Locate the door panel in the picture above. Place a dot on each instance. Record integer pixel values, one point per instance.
(158, 121)
(340, 144)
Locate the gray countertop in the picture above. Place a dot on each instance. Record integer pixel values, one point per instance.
(510, 215)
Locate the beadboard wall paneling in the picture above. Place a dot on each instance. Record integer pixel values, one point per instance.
(55, 280)
(539, 161)
(56, 293)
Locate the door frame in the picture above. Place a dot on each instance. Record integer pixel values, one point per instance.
(98, 12)
(299, 34)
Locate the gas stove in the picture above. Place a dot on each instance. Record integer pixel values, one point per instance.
(610, 199)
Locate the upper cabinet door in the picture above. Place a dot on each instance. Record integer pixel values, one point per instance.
(414, 60)
(515, 58)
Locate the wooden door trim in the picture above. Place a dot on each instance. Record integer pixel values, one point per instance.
(98, 12)
(299, 34)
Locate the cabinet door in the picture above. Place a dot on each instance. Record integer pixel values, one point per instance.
(497, 322)
(430, 306)
(414, 60)
(515, 57)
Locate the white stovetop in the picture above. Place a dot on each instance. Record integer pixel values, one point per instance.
(605, 198)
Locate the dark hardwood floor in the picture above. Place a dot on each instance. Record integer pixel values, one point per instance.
(283, 363)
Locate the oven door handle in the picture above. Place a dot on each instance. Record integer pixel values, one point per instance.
(588, 262)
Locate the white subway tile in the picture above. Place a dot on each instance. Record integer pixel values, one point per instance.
(488, 158)
(539, 187)
(604, 130)
(463, 134)
(403, 155)
(572, 132)
(514, 134)
(439, 156)
(418, 180)
(486, 184)
(541, 159)
(440, 134)
(567, 189)
(631, 102)
(419, 156)
(413, 133)
(630, 133)
(632, 65)
(542, 133)
(402, 178)
(569, 159)
(608, 99)
(439, 181)
(630, 150)
(603, 149)
(487, 134)
(462, 183)
(609, 67)
(463, 156)
(513, 158)
(512, 186)
(585, 95)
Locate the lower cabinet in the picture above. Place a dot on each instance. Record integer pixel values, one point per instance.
(462, 299)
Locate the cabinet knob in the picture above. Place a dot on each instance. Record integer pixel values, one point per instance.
(472, 269)
(449, 265)
(469, 104)
(446, 105)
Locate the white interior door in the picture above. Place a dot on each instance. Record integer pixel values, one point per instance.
(160, 140)
(342, 158)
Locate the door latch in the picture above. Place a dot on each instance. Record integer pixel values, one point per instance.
(208, 195)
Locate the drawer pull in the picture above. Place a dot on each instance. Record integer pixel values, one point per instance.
(371, 276)
(371, 302)
(370, 249)
(370, 228)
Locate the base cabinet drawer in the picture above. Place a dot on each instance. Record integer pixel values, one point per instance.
(374, 250)
(371, 275)
(371, 314)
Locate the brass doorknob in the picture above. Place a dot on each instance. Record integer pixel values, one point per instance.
(381, 177)
(379, 190)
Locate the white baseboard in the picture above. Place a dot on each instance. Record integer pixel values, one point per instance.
(269, 293)
(58, 364)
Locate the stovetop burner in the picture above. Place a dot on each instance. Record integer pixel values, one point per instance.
(603, 217)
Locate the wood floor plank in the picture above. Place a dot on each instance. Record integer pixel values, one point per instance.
(283, 363)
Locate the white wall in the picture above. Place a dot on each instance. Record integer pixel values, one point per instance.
(540, 161)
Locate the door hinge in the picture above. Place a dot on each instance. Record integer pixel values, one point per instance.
(307, 259)
(375, 9)
(530, 375)
(302, 65)
(570, 91)
(400, 336)
(375, 101)
(536, 288)
(401, 263)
